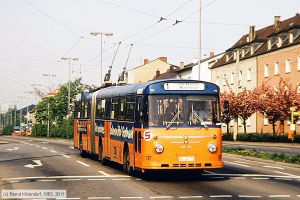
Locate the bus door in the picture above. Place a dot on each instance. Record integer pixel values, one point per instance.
(138, 132)
(107, 124)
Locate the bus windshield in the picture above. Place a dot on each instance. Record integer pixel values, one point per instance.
(176, 110)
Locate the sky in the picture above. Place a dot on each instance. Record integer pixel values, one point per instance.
(36, 34)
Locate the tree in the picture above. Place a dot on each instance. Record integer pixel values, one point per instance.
(246, 105)
(226, 117)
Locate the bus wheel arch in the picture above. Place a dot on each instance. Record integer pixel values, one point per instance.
(83, 153)
(101, 158)
(126, 160)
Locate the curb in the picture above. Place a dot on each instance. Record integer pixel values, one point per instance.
(263, 160)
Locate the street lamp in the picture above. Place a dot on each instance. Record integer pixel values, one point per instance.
(48, 104)
(101, 35)
(69, 86)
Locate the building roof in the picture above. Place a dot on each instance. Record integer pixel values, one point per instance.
(261, 37)
(170, 74)
(161, 59)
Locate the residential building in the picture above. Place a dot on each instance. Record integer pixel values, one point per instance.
(147, 71)
(280, 58)
(191, 70)
(169, 74)
(255, 57)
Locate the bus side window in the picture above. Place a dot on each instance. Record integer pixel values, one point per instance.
(138, 109)
(130, 108)
(122, 109)
(89, 109)
(114, 111)
(107, 108)
(82, 110)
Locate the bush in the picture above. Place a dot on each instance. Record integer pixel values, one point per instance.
(251, 137)
(62, 130)
(8, 129)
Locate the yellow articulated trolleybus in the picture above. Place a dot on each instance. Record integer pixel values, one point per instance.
(157, 125)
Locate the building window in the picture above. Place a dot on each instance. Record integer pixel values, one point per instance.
(248, 122)
(291, 38)
(240, 79)
(227, 57)
(269, 44)
(288, 65)
(276, 68)
(234, 55)
(251, 49)
(266, 70)
(279, 42)
(243, 53)
(249, 74)
(298, 63)
(217, 80)
(232, 78)
(224, 80)
(266, 122)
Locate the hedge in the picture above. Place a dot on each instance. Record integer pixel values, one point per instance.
(261, 138)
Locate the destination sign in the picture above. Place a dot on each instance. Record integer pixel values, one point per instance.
(184, 86)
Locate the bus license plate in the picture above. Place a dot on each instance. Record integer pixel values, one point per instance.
(186, 158)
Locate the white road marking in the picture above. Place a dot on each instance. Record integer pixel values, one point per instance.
(13, 149)
(44, 142)
(241, 162)
(249, 196)
(298, 195)
(238, 178)
(279, 196)
(162, 197)
(209, 172)
(47, 180)
(60, 177)
(72, 179)
(190, 197)
(103, 173)
(37, 162)
(237, 164)
(53, 151)
(37, 145)
(44, 148)
(284, 173)
(138, 179)
(30, 144)
(120, 179)
(131, 197)
(97, 179)
(285, 179)
(273, 167)
(14, 181)
(82, 163)
(65, 156)
(260, 178)
(99, 197)
(220, 196)
(71, 147)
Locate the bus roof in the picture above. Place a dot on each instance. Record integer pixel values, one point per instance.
(166, 86)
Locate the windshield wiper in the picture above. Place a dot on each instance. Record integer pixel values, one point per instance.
(172, 121)
(200, 119)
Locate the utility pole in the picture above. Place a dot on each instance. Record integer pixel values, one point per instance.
(199, 56)
(48, 104)
(101, 38)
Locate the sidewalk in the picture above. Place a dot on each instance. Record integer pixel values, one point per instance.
(266, 144)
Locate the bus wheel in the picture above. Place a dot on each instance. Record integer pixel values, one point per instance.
(100, 156)
(82, 152)
(126, 162)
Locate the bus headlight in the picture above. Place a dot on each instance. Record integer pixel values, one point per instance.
(212, 147)
(159, 148)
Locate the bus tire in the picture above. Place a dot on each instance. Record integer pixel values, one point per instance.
(100, 155)
(126, 162)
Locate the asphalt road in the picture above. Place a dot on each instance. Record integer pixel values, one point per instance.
(285, 148)
(58, 166)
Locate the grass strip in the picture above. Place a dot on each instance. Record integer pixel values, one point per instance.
(294, 159)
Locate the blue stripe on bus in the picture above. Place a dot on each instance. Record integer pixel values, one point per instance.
(122, 131)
